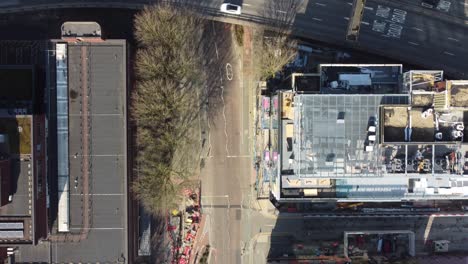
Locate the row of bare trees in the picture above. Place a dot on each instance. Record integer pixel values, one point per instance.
(164, 105)
(166, 102)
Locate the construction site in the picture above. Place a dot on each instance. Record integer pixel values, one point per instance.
(401, 132)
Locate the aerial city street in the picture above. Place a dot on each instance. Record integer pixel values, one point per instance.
(234, 131)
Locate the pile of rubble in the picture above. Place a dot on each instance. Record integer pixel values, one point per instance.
(183, 227)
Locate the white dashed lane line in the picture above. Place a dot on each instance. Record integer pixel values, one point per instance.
(318, 19)
(449, 53)
(418, 29)
(453, 39)
(320, 4)
(413, 43)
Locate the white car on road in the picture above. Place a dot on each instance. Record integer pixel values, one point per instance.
(231, 9)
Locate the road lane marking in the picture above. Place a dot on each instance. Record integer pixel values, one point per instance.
(369, 8)
(280, 11)
(346, 18)
(241, 84)
(216, 49)
(365, 23)
(453, 39)
(394, 30)
(449, 53)
(320, 4)
(444, 5)
(418, 29)
(350, 3)
(413, 43)
(239, 156)
(225, 120)
(383, 11)
(399, 16)
(318, 19)
(379, 26)
(229, 73)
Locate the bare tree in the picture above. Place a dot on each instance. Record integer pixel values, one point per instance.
(274, 53)
(169, 40)
(164, 107)
(275, 48)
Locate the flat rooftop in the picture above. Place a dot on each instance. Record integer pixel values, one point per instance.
(16, 144)
(360, 78)
(103, 66)
(20, 181)
(16, 83)
(107, 106)
(309, 83)
(331, 132)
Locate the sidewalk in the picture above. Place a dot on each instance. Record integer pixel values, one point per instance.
(201, 240)
(264, 206)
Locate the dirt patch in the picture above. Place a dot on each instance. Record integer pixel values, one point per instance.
(417, 121)
(395, 117)
(395, 121)
(423, 100)
(422, 128)
(459, 95)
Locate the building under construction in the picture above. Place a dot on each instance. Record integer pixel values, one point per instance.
(373, 134)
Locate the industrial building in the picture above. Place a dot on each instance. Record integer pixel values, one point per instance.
(372, 134)
(23, 219)
(88, 150)
(63, 151)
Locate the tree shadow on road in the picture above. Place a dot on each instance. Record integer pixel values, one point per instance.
(216, 53)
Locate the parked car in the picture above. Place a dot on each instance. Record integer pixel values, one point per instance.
(231, 9)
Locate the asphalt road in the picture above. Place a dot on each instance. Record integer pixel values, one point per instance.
(432, 38)
(226, 173)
